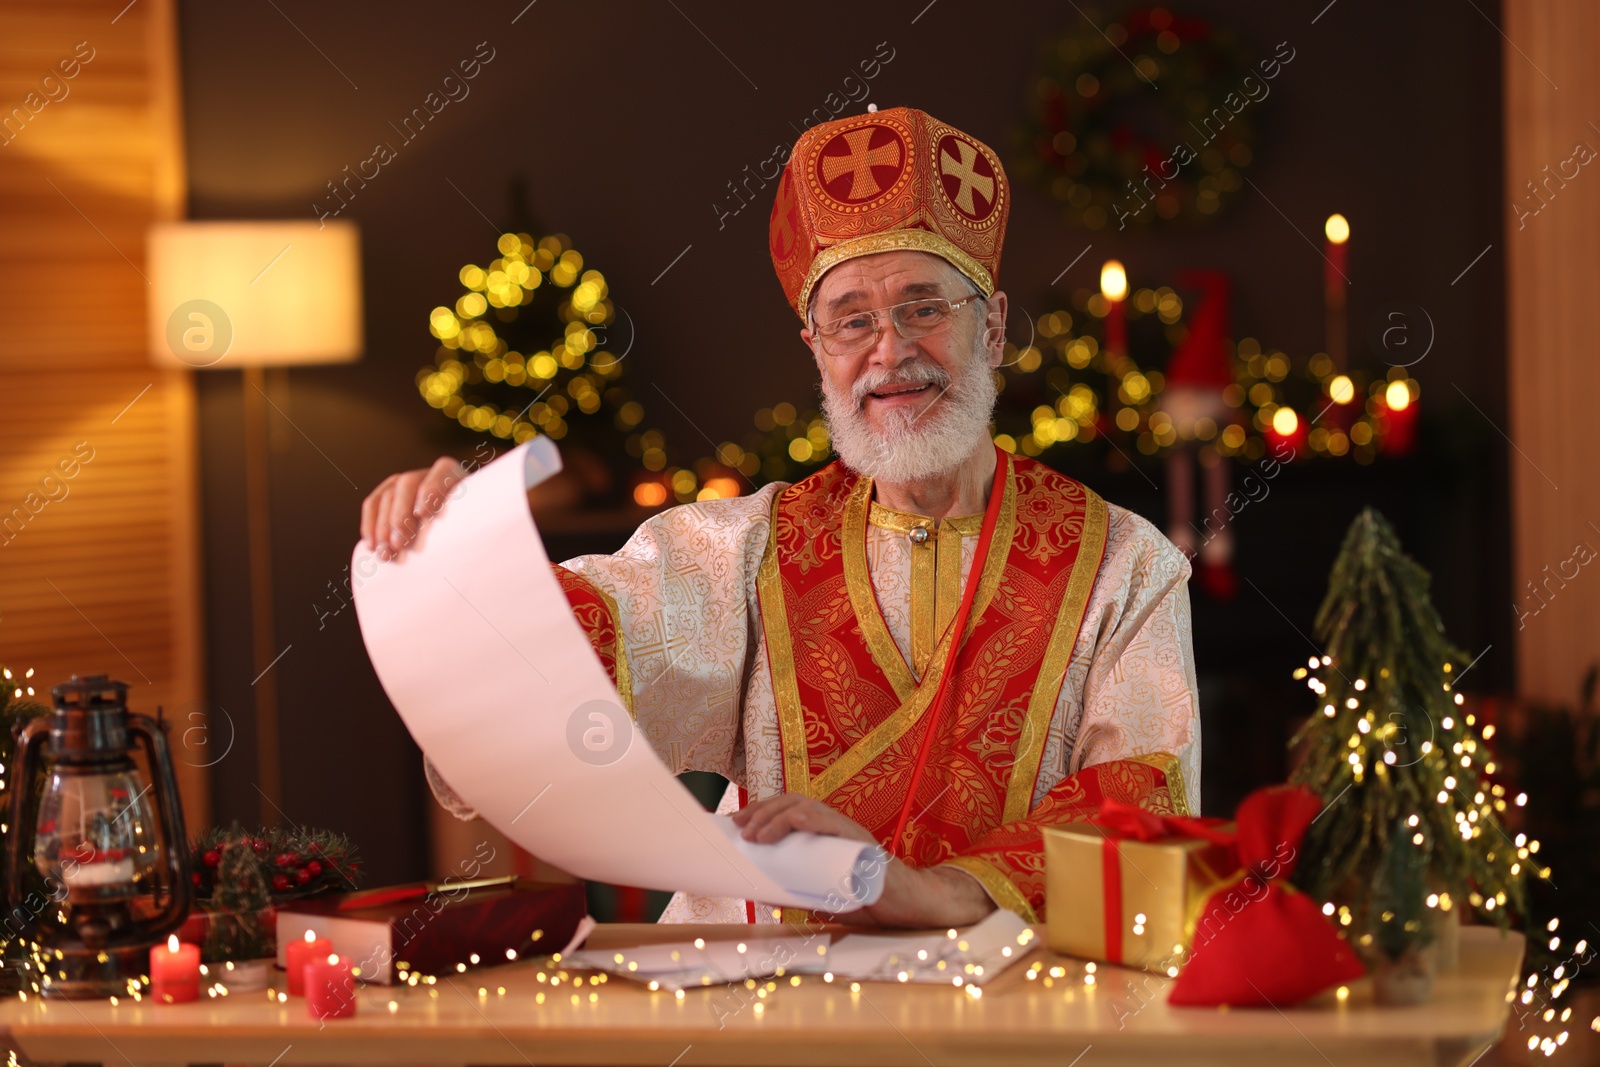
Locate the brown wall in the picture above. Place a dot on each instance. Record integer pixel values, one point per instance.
(99, 554)
(1552, 100)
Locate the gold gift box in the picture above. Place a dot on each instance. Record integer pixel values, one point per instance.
(1166, 882)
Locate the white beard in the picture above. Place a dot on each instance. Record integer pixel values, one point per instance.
(912, 447)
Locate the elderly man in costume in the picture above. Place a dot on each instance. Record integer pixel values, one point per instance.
(930, 643)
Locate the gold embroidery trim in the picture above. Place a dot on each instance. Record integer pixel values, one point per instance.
(1057, 655)
(924, 600)
(858, 583)
(1168, 765)
(905, 521)
(893, 241)
(619, 652)
(780, 662)
(947, 590)
(1000, 888)
(935, 574)
(886, 733)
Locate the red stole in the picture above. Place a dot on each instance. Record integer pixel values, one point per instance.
(853, 719)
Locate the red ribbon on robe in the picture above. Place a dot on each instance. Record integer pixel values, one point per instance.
(1277, 948)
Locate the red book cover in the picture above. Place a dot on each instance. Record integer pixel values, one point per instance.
(433, 927)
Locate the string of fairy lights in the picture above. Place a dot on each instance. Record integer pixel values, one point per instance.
(1462, 763)
(1469, 762)
(490, 357)
(473, 352)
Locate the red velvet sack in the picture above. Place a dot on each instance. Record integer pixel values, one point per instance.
(1258, 940)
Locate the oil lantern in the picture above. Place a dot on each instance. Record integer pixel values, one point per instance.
(94, 877)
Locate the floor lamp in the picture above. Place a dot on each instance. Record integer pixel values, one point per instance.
(245, 296)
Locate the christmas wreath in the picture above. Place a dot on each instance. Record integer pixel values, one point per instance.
(1146, 119)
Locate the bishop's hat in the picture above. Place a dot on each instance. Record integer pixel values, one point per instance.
(882, 182)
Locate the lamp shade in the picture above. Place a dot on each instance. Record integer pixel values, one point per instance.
(237, 294)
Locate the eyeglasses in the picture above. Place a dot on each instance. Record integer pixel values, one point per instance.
(859, 331)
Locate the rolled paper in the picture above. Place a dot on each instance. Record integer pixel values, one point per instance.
(175, 972)
(298, 954)
(330, 988)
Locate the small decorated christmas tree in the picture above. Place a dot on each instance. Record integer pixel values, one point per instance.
(1411, 826)
(239, 931)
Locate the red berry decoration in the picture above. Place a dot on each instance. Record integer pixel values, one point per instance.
(302, 876)
(315, 867)
(195, 875)
(212, 857)
(280, 882)
(286, 859)
(260, 845)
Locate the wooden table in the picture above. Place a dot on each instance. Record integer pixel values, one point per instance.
(1122, 1019)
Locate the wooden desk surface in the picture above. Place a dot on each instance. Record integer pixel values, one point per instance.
(1124, 1017)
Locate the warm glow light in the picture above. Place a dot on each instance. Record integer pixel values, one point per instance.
(287, 292)
(1337, 229)
(1342, 390)
(1397, 396)
(1285, 422)
(1113, 281)
(720, 488)
(172, 943)
(649, 494)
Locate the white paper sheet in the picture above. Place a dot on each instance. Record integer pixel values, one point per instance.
(475, 645)
(975, 957)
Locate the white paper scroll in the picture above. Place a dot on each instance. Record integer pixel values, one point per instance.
(474, 642)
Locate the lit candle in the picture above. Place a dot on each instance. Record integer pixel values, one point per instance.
(1286, 428)
(330, 988)
(299, 953)
(175, 972)
(1114, 287)
(1334, 281)
(1400, 435)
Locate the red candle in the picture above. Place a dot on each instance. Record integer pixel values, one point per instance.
(1114, 287)
(298, 953)
(1400, 435)
(1286, 429)
(175, 972)
(330, 988)
(1335, 280)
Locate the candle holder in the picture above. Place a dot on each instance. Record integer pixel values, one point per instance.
(115, 879)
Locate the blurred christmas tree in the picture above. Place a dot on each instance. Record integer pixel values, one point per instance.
(1411, 823)
(239, 930)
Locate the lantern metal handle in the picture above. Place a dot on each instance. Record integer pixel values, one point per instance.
(23, 810)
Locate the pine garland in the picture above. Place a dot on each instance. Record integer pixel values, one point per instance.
(1394, 757)
(293, 863)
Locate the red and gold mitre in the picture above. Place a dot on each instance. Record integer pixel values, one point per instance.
(887, 181)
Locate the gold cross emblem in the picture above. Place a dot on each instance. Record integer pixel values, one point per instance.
(960, 167)
(858, 161)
